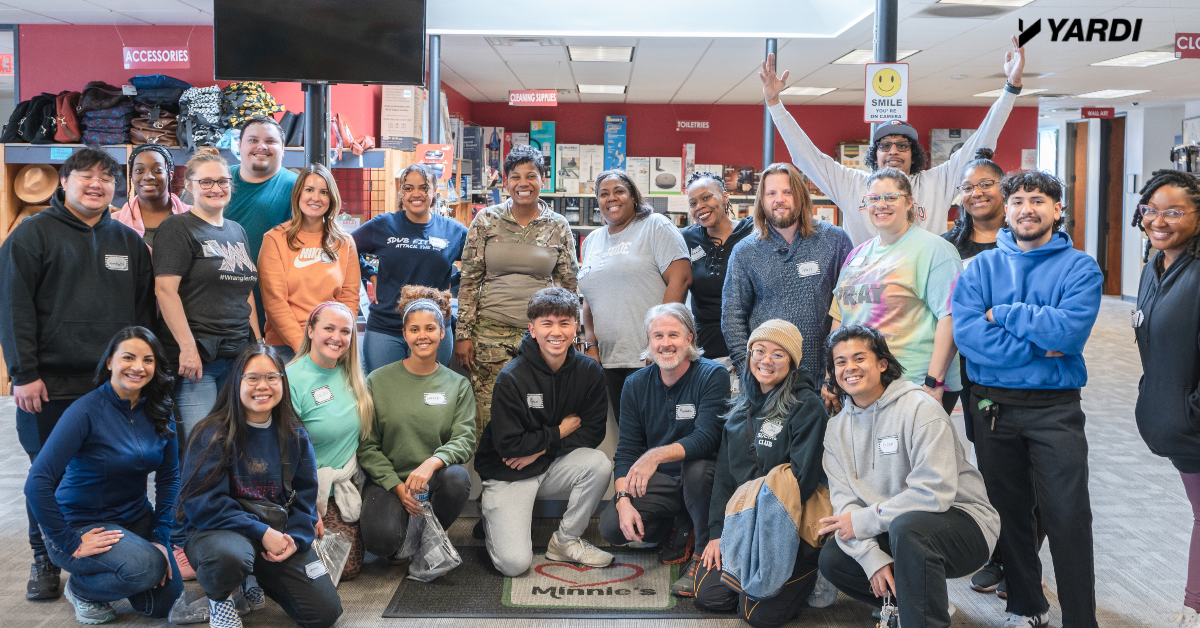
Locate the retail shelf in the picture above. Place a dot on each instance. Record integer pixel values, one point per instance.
(52, 153)
(58, 153)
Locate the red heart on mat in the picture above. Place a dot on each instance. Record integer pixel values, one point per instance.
(637, 572)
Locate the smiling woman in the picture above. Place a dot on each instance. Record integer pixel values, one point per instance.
(151, 177)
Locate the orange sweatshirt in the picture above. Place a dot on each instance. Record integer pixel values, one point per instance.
(295, 282)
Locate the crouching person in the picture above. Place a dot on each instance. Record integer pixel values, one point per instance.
(909, 510)
(670, 430)
(777, 418)
(87, 487)
(549, 413)
(249, 494)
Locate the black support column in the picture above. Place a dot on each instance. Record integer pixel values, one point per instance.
(768, 145)
(316, 121)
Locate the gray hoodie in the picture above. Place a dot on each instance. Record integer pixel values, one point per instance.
(898, 455)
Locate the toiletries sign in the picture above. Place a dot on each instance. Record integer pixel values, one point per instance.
(614, 142)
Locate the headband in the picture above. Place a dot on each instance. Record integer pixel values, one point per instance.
(424, 304)
(161, 150)
(312, 317)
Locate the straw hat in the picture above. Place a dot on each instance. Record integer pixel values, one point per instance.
(36, 182)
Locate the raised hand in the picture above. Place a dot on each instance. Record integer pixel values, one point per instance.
(772, 84)
(1014, 63)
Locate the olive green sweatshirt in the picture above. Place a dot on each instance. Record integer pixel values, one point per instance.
(416, 416)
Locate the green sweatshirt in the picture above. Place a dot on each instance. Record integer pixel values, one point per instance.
(416, 416)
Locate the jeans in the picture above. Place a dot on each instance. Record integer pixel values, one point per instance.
(195, 399)
(666, 498)
(223, 559)
(380, 349)
(384, 521)
(714, 595)
(928, 548)
(131, 569)
(285, 353)
(32, 432)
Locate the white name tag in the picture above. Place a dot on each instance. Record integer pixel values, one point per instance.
(685, 412)
(439, 243)
(322, 395)
(116, 262)
(889, 445)
(435, 399)
(315, 569)
(808, 269)
(858, 261)
(534, 401)
(698, 253)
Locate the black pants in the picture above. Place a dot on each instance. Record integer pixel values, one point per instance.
(1041, 452)
(224, 559)
(927, 548)
(384, 521)
(32, 431)
(666, 498)
(614, 380)
(714, 595)
(949, 400)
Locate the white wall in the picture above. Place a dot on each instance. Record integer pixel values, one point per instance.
(1149, 136)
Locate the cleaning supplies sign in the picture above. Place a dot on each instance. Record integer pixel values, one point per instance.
(533, 98)
(886, 92)
(156, 57)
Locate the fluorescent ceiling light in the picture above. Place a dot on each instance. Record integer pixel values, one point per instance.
(601, 53)
(806, 91)
(995, 93)
(601, 89)
(989, 3)
(1113, 93)
(1143, 59)
(860, 57)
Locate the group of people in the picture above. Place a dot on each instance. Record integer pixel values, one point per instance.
(816, 368)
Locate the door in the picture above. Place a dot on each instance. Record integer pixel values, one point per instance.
(1111, 215)
(1076, 180)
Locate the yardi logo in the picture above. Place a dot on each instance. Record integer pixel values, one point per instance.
(1098, 29)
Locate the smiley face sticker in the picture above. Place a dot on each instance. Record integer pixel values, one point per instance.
(886, 82)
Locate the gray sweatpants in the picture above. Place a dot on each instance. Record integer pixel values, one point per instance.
(581, 477)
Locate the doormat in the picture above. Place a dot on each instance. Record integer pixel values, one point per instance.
(635, 586)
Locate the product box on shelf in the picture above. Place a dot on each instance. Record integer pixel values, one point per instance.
(689, 161)
(614, 142)
(591, 164)
(495, 148)
(512, 140)
(665, 174)
(567, 179)
(716, 169)
(853, 154)
(741, 180)
(541, 137)
(638, 169)
(401, 117)
(472, 152)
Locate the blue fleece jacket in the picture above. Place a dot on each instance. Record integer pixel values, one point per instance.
(99, 456)
(254, 474)
(1042, 300)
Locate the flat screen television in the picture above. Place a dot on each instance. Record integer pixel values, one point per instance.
(335, 41)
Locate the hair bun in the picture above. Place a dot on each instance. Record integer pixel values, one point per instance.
(208, 150)
(984, 153)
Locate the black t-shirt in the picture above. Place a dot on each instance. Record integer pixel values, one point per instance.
(217, 276)
(967, 251)
(709, 262)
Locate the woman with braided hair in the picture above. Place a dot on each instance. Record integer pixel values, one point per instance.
(151, 179)
(1167, 314)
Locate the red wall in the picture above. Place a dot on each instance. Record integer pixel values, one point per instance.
(735, 137)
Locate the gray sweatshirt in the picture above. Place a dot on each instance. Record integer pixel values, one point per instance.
(898, 455)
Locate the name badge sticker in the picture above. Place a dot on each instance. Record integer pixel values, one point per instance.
(315, 569)
(685, 412)
(116, 262)
(322, 395)
(439, 243)
(889, 445)
(858, 261)
(534, 401)
(698, 253)
(435, 399)
(808, 269)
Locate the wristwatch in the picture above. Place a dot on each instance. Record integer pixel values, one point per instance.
(933, 383)
(617, 497)
(589, 345)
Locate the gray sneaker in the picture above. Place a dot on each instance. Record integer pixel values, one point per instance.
(824, 593)
(576, 550)
(685, 586)
(87, 612)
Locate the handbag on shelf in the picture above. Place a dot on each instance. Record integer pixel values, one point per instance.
(40, 122)
(356, 145)
(68, 121)
(101, 95)
(145, 129)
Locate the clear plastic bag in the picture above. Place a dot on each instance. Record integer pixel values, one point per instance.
(196, 612)
(333, 550)
(428, 547)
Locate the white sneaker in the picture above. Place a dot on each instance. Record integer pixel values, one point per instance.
(824, 593)
(1186, 618)
(953, 609)
(1021, 621)
(576, 550)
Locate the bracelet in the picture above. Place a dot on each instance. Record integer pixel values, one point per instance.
(1012, 88)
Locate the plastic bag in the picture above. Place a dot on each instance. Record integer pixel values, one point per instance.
(333, 550)
(428, 547)
(196, 612)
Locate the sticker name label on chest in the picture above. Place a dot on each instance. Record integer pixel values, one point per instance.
(322, 395)
(698, 253)
(435, 399)
(534, 401)
(116, 262)
(889, 445)
(858, 261)
(808, 269)
(685, 412)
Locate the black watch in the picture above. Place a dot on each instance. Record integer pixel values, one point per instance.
(619, 495)
(931, 382)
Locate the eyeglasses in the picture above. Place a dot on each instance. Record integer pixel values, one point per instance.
(891, 198)
(273, 378)
(206, 184)
(903, 147)
(983, 186)
(759, 354)
(1170, 216)
(87, 178)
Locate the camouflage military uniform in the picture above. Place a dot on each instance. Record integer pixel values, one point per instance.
(496, 341)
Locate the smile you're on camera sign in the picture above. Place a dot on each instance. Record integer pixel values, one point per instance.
(886, 92)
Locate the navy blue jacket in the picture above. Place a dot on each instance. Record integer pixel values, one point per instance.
(99, 456)
(687, 412)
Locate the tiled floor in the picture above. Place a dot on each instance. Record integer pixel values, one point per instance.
(1142, 526)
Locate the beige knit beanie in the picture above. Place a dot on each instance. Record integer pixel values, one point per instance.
(781, 333)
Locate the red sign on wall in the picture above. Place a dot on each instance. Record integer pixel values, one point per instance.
(6, 65)
(1099, 112)
(1187, 45)
(156, 57)
(533, 98)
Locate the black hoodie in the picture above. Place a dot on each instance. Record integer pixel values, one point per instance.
(65, 290)
(750, 449)
(529, 401)
(1168, 403)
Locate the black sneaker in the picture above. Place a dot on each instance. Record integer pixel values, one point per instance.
(45, 580)
(1002, 590)
(477, 532)
(678, 547)
(685, 586)
(987, 579)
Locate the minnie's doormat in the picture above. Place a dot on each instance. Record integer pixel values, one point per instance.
(635, 586)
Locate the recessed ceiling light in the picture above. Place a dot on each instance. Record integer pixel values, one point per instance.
(806, 91)
(989, 3)
(601, 53)
(995, 93)
(958, 77)
(860, 56)
(1143, 59)
(1113, 93)
(601, 89)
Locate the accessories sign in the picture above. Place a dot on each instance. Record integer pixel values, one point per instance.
(886, 92)
(163, 58)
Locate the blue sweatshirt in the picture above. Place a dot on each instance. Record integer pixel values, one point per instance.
(255, 475)
(1042, 300)
(99, 456)
(410, 254)
(687, 412)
